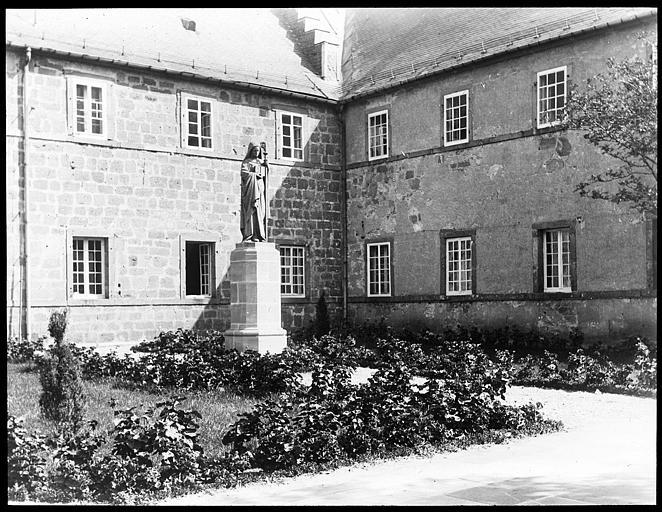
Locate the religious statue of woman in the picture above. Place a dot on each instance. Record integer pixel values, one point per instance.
(254, 174)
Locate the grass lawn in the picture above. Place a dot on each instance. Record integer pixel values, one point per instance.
(219, 409)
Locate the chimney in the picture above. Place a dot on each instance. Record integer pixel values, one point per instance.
(319, 35)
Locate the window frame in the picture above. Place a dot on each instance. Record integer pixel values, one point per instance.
(379, 243)
(454, 234)
(303, 250)
(200, 238)
(184, 97)
(105, 278)
(382, 111)
(558, 243)
(73, 81)
(540, 275)
(444, 119)
(565, 95)
(281, 145)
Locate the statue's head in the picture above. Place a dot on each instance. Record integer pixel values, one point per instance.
(254, 151)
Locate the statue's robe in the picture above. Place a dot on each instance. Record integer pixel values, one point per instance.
(253, 201)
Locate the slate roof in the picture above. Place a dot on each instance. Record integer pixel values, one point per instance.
(242, 46)
(382, 47)
(386, 47)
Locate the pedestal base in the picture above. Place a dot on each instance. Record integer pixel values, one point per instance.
(255, 299)
(273, 343)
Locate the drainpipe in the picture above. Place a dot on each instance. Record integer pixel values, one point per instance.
(343, 209)
(26, 188)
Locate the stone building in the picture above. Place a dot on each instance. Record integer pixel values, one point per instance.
(418, 174)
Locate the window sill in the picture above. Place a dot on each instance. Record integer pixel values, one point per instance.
(135, 301)
(294, 300)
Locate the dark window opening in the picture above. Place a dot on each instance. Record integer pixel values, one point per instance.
(198, 268)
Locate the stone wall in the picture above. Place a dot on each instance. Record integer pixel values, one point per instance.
(146, 194)
(509, 178)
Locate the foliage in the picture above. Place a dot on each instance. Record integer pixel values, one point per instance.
(151, 453)
(336, 420)
(57, 324)
(592, 369)
(62, 399)
(196, 369)
(26, 461)
(337, 348)
(618, 111)
(23, 350)
(183, 341)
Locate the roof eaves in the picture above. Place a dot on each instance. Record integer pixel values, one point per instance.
(289, 88)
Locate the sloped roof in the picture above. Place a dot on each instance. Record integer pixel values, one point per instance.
(385, 47)
(243, 46)
(382, 47)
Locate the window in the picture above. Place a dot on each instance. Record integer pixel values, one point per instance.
(458, 266)
(199, 268)
(291, 136)
(556, 267)
(551, 96)
(456, 118)
(89, 267)
(88, 104)
(458, 261)
(196, 122)
(292, 271)
(379, 269)
(378, 135)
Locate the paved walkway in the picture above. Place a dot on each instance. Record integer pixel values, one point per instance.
(606, 456)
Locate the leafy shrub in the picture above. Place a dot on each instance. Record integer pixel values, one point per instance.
(62, 399)
(26, 461)
(183, 341)
(248, 372)
(645, 365)
(148, 454)
(57, 324)
(338, 349)
(336, 420)
(23, 350)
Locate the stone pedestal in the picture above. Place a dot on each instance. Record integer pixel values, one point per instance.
(255, 299)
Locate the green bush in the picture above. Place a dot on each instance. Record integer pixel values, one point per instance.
(147, 454)
(182, 341)
(196, 368)
(62, 399)
(335, 420)
(26, 462)
(57, 324)
(22, 350)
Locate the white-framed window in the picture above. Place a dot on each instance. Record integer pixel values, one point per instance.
(379, 269)
(89, 271)
(199, 268)
(456, 118)
(378, 135)
(197, 121)
(291, 135)
(556, 261)
(458, 265)
(88, 105)
(552, 89)
(292, 271)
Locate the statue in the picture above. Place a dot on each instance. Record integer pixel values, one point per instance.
(254, 181)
